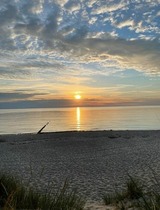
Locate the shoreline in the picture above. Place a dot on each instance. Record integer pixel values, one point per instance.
(82, 131)
(94, 161)
(111, 134)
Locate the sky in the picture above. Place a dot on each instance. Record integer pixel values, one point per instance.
(106, 51)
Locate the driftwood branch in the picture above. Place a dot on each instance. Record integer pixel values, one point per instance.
(39, 132)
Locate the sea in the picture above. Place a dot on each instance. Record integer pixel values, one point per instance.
(15, 121)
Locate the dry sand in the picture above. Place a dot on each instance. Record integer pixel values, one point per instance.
(95, 162)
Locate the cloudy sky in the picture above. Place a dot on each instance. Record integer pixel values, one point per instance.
(108, 51)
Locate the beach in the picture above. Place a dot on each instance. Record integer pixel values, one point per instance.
(94, 162)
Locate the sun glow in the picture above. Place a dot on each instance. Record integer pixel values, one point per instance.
(77, 96)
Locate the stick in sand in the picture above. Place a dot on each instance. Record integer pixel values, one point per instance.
(42, 128)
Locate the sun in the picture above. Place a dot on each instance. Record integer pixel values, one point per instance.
(77, 96)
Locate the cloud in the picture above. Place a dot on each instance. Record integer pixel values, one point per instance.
(108, 8)
(72, 6)
(37, 103)
(14, 96)
(126, 23)
(8, 14)
(43, 37)
(158, 13)
(142, 55)
(93, 20)
(14, 74)
(62, 2)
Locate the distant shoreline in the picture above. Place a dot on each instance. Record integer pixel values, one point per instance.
(67, 107)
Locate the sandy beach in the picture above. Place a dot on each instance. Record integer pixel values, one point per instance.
(94, 162)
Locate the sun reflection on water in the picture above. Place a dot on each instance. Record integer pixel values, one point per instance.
(78, 113)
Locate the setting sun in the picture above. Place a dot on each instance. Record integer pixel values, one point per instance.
(77, 96)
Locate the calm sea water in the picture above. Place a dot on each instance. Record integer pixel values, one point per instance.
(66, 119)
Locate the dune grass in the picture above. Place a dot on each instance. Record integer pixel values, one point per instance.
(13, 195)
(136, 196)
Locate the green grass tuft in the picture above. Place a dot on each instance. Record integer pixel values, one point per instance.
(134, 189)
(13, 195)
(135, 196)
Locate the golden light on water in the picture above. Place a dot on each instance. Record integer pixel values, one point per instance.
(78, 114)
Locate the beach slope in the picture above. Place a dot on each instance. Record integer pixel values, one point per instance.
(94, 162)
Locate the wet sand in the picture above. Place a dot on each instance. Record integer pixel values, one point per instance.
(94, 162)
